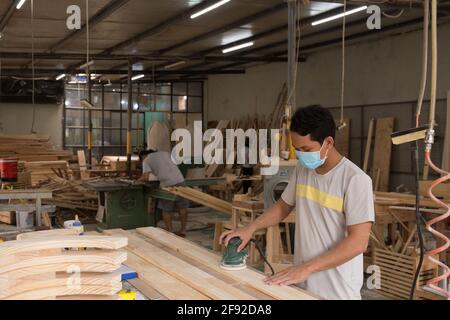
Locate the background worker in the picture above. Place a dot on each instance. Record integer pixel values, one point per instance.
(161, 165)
(333, 201)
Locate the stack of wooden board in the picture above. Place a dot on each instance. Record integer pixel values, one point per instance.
(30, 148)
(43, 170)
(71, 194)
(201, 198)
(179, 269)
(51, 264)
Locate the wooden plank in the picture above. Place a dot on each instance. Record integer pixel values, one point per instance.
(368, 145)
(19, 246)
(189, 274)
(8, 217)
(382, 152)
(167, 285)
(203, 256)
(148, 291)
(84, 174)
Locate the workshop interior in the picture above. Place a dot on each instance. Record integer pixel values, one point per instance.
(224, 150)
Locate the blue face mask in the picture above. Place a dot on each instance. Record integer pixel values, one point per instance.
(311, 160)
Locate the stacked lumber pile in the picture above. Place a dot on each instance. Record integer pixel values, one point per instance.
(30, 148)
(38, 266)
(174, 268)
(38, 159)
(201, 198)
(72, 195)
(43, 170)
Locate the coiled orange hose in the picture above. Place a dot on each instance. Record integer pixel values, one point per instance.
(446, 274)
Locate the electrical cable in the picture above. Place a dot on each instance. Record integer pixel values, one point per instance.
(423, 82)
(398, 15)
(419, 219)
(262, 255)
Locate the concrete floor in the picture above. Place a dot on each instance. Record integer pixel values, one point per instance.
(200, 230)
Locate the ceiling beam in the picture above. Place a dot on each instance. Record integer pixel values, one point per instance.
(101, 15)
(304, 23)
(103, 57)
(386, 3)
(52, 72)
(220, 30)
(225, 28)
(8, 15)
(335, 41)
(153, 30)
(159, 27)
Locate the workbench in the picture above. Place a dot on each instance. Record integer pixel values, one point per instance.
(173, 268)
(27, 194)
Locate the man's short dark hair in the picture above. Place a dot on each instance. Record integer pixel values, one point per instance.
(144, 153)
(315, 121)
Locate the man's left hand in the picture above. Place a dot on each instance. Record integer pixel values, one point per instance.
(292, 275)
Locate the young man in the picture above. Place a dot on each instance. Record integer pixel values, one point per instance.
(160, 164)
(333, 201)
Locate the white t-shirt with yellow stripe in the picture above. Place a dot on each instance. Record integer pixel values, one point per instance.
(325, 206)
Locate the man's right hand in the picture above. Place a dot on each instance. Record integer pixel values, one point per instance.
(245, 234)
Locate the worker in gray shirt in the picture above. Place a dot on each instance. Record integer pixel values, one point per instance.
(161, 165)
(334, 210)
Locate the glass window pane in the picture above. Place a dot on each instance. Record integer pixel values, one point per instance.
(112, 100)
(74, 136)
(74, 118)
(179, 103)
(195, 88)
(115, 119)
(162, 103)
(195, 104)
(180, 88)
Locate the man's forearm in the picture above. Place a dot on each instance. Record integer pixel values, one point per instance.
(272, 216)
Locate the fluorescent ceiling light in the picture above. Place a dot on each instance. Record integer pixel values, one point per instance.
(238, 47)
(340, 15)
(61, 76)
(139, 76)
(173, 65)
(207, 9)
(20, 4)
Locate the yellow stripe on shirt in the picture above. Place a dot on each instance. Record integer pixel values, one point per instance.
(320, 197)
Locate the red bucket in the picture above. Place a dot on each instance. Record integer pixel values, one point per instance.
(8, 170)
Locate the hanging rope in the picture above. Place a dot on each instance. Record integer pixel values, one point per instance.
(88, 74)
(342, 122)
(33, 120)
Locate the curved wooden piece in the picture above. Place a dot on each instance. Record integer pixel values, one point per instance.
(47, 233)
(61, 280)
(6, 278)
(68, 257)
(54, 292)
(20, 246)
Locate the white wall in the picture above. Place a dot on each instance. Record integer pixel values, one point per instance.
(378, 71)
(17, 119)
